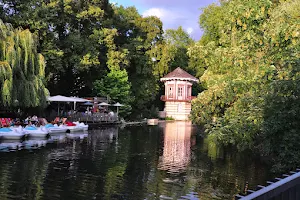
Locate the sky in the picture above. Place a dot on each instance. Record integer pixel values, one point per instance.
(173, 13)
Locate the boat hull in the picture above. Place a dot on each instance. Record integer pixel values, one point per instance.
(72, 129)
(57, 130)
(38, 135)
(12, 136)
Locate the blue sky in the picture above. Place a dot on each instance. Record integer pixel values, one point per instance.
(173, 13)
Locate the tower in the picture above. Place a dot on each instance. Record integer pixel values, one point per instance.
(178, 94)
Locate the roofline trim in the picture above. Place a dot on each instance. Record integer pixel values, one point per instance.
(179, 78)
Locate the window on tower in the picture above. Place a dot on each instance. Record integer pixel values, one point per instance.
(170, 92)
(180, 91)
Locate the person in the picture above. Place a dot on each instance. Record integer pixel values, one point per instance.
(68, 123)
(26, 121)
(34, 119)
(111, 115)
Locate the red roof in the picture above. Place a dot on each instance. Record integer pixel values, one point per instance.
(179, 74)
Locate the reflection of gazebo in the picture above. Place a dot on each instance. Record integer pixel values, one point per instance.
(177, 144)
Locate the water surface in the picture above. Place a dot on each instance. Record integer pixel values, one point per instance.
(169, 161)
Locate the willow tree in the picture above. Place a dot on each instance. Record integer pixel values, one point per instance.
(22, 69)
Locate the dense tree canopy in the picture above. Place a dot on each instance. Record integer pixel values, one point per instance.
(22, 69)
(251, 52)
(82, 40)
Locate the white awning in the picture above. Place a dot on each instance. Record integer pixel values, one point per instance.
(60, 98)
(77, 99)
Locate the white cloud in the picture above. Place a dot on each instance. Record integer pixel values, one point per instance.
(158, 12)
(189, 30)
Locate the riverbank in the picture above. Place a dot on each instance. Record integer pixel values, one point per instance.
(135, 123)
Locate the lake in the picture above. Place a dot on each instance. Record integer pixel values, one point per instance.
(169, 161)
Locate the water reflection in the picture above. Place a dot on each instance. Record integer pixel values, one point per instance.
(167, 162)
(177, 147)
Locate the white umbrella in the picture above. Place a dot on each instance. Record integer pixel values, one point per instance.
(117, 105)
(77, 99)
(103, 104)
(60, 98)
(88, 104)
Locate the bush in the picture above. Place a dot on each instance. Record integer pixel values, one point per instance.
(169, 118)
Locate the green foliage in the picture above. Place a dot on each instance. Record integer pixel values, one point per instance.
(153, 112)
(169, 118)
(22, 70)
(116, 86)
(172, 52)
(250, 51)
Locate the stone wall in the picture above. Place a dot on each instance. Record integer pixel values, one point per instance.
(178, 110)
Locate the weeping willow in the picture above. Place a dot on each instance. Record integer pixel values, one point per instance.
(22, 69)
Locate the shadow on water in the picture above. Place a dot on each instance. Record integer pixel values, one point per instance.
(169, 161)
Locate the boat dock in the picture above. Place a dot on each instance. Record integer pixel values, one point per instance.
(286, 187)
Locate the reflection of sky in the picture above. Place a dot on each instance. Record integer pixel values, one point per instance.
(172, 13)
(177, 147)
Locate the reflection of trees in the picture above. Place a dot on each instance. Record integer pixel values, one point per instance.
(4, 179)
(222, 173)
(23, 176)
(143, 146)
(133, 163)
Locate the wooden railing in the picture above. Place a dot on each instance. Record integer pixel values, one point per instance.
(165, 98)
(95, 117)
(286, 187)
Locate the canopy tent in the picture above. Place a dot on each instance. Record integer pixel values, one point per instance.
(118, 105)
(60, 98)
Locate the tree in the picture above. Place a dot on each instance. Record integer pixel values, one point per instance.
(22, 69)
(251, 54)
(115, 84)
(172, 52)
(139, 36)
(64, 30)
(70, 35)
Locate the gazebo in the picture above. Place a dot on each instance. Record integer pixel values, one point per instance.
(178, 94)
